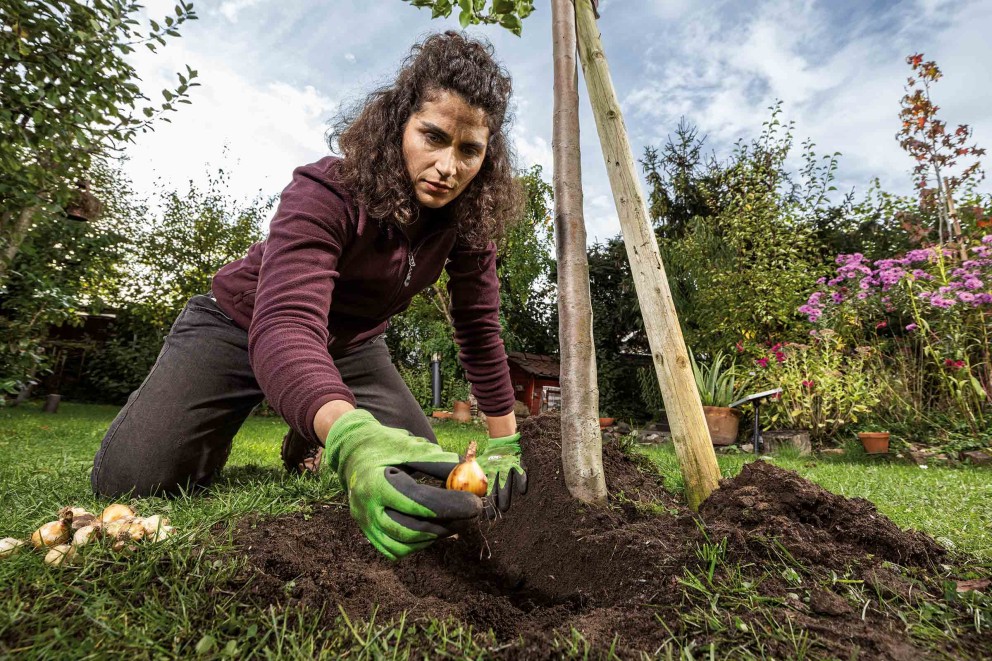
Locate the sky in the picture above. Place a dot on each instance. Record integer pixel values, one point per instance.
(274, 73)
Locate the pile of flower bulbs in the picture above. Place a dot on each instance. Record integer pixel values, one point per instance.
(118, 525)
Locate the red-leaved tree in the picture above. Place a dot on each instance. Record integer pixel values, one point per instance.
(936, 149)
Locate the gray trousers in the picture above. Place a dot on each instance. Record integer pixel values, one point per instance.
(175, 431)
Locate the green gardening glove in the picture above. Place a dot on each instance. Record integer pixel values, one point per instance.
(398, 514)
(505, 471)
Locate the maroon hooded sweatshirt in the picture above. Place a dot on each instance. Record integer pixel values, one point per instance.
(327, 279)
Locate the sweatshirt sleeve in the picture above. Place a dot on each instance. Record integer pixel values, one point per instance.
(474, 292)
(288, 335)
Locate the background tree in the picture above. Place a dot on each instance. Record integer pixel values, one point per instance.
(508, 13)
(935, 149)
(676, 177)
(172, 252)
(526, 272)
(62, 269)
(67, 95)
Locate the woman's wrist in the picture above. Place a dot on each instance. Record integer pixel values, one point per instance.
(501, 425)
(328, 414)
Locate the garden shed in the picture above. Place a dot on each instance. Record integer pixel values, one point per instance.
(535, 380)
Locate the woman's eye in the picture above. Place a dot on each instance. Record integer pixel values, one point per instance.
(433, 138)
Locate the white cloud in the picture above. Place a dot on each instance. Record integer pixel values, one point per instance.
(270, 83)
(533, 150)
(231, 8)
(259, 131)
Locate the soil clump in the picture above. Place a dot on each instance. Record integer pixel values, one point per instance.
(635, 576)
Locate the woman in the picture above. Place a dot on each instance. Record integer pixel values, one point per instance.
(425, 183)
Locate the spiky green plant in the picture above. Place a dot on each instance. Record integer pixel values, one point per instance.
(716, 384)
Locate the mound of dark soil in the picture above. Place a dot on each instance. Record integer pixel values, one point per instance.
(765, 504)
(617, 575)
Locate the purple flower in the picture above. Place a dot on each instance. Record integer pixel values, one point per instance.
(822, 280)
(966, 297)
(973, 283)
(911, 327)
(987, 238)
(837, 297)
(942, 303)
(862, 295)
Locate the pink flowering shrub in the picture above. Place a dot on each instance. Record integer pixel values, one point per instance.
(932, 302)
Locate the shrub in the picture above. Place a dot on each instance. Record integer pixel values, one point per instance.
(826, 385)
(933, 303)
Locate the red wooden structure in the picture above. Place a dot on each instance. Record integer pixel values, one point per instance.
(535, 380)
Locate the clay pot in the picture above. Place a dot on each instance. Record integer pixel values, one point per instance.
(723, 423)
(606, 422)
(875, 442)
(462, 412)
(442, 415)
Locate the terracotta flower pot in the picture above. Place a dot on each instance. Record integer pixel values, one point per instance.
(443, 415)
(462, 412)
(875, 442)
(723, 423)
(606, 422)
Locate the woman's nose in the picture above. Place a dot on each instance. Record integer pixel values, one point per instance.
(445, 164)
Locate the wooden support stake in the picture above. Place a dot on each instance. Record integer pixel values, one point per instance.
(671, 360)
(581, 439)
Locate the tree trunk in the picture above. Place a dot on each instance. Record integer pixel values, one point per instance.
(581, 439)
(15, 236)
(671, 360)
(955, 227)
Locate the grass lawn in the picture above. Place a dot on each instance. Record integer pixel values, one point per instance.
(157, 602)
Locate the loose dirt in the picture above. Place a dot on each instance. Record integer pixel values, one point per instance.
(799, 568)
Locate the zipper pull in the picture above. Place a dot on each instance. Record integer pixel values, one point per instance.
(409, 271)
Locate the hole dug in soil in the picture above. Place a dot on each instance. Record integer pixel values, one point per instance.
(635, 576)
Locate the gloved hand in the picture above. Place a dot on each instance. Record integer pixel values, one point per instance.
(396, 513)
(505, 471)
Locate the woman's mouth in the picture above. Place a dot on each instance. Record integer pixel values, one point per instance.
(436, 188)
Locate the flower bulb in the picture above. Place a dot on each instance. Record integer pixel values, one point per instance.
(117, 511)
(60, 555)
(9, 546)
(468, 475)
(52, 533)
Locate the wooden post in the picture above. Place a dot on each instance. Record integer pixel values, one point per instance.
(581, 440)
(671, 360)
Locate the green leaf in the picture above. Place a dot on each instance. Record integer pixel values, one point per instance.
(205, 645)
(979, 390)
(512, 23)
(465, 18)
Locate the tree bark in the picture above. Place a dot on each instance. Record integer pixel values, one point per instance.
(671, 360)
(581, 439)
(15, 236)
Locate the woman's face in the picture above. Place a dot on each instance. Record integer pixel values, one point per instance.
(444, 145)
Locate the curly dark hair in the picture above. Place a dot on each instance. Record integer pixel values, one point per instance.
(370, 137)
